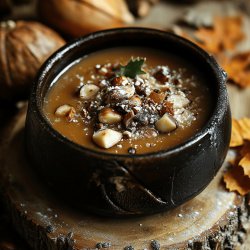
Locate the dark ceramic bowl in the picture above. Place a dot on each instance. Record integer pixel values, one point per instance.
(152, 182)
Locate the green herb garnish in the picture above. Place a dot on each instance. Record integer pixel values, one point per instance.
(132, 69)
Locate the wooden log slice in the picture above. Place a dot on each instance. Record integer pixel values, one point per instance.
(215, 219)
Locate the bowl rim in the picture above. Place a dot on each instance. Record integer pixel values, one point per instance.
(220, 101)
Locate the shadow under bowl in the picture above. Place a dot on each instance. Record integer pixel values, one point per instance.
(154, 182)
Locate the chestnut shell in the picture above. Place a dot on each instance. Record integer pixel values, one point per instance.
(24, 46)
(123, 185)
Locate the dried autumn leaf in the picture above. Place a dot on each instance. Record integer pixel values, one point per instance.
(245, 128)
(238, 177)
(237, 68)
(245, 164)
(233, 32)
(224, 35)
(245, 149)
(236, 181)
(236, 137)
(209, 39)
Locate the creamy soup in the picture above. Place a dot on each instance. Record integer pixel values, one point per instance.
(129, 100)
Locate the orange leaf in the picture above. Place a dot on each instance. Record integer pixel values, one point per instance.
(237, 68)
(236, 180)
(245, 164)
(236, 137)
(224, 35)
(210, 39)
(245, 149)
(245, 128)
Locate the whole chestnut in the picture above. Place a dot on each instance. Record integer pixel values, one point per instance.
(24, 46)
(80, 17)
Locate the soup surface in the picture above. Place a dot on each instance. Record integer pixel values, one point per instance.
(129, 100)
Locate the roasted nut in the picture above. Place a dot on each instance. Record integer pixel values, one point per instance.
(167, 107)
(142, 89)
(135, 100)
(178, 101)
(106, 138)
(128, 118)
(127, 134)
(88, 91)
(161, 76)
(129, 91)
(120, 80)
(121, 93)
(166, 124)
(157, 97)
(66, 111)
(109, 116)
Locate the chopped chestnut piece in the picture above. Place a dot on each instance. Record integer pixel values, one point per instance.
(161, 76)
(157, 97)
(128, 118)
(119, 80)
(120, 93)
(142, 89)
(88, 91)
(107, 138)
(109, 116)
(167, 107)
(66, 111)
(166, 124)
(135, 100)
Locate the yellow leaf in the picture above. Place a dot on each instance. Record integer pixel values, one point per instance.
(245, 164)
(236, 138)
(236, 180)
(245, 127)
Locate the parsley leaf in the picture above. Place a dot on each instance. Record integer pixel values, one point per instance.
(132, 69)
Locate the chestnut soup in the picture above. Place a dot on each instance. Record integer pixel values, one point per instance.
(129, 100)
